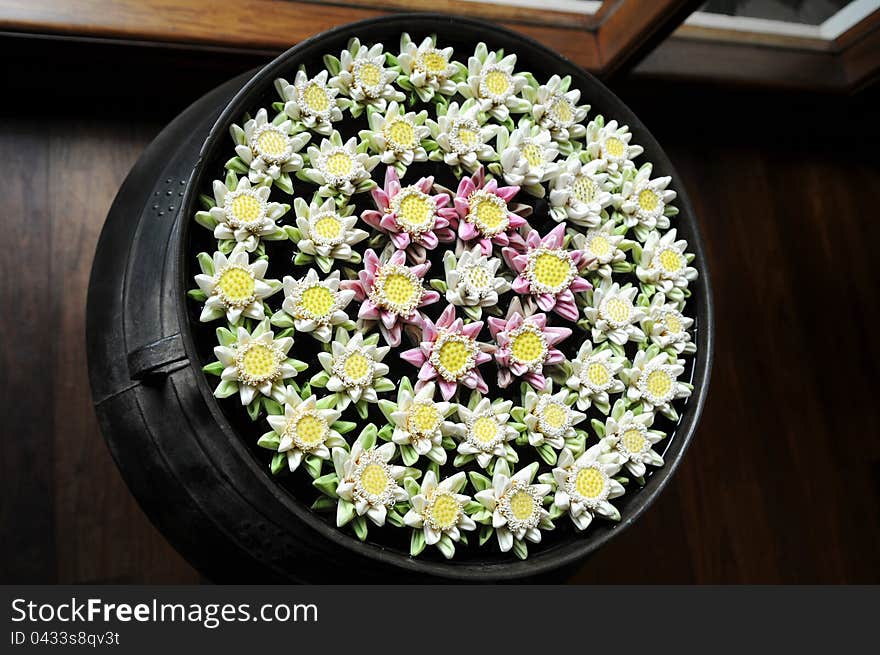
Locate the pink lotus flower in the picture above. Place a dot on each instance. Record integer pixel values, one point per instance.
(415, 220)
(549, 272)
(450, 353)
(525, 344)
(391, 294)
(482, 214)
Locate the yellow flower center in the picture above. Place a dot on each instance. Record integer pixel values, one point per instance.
(328, 228)
(271, 143)
(533, 154)
(445, 511)
(399, 289)
(673, 324)
(370, 74)
(658, 383)
(583, 189)
(670, 260)
(317, 301)
(236, 285)
(315, 98)
(522, 506)
(485, 429)
(600, 246)
(477, 277)
(562, 110)
(590, 483)
(618, 309)
(453, 357)
(416, 211)
(423, 418)
(597, 374)
(467, 136)
(490, 214)
(614, 147)
(527, 347)
(339, 164)
(648, 200)
(497, 83)
(552, 270)
(356, 367)
(374, 480)
(260, 362)
(401, 134)
(434, 62)
(311, 430)
(246, 208)
(555, 415)
(633, 440)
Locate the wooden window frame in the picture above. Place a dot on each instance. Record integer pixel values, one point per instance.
(654, 38)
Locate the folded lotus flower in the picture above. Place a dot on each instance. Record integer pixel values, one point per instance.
(414, 219)
(483, 215)
(585, 484)
(449, 353)
(391, 294)
(525, 344)
(360, 75)
(549, 272)
(437, 509)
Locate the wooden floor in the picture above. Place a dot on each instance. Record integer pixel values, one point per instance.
(782, 482)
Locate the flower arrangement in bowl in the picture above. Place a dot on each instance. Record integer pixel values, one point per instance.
(449, 305)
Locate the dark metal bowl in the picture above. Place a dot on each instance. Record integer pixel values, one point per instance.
(181, 453)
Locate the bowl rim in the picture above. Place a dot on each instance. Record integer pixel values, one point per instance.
(562, 554)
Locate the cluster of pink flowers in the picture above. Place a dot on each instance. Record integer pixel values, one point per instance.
(419, 217)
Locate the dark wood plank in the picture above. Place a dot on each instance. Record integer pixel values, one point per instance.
(27, 452)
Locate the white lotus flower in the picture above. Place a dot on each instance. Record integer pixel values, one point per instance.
(603, 247)
(234, 286)
(243, 214)
(585, 485)
(325, 233)
(653, 381)
(580, 192)
(593, 376)
(427, 68)
(613, 314)
(269, 150)
(316, 306)
(419, 421)
(667, 326)
(472, 281)
(485, 430)
(555, 107)
(368, 481)
(461, 139)
(611, 142)
(642, 201)
(517, 506)
(666, 264)
(339, 168)
(438, 510)
(310, 101)
(527, 157)
(363, 78)
(255, 363)
(304, 429)
(549, 419)
(353, 370)
(493, 84)
(397, 135)
(628, 435)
